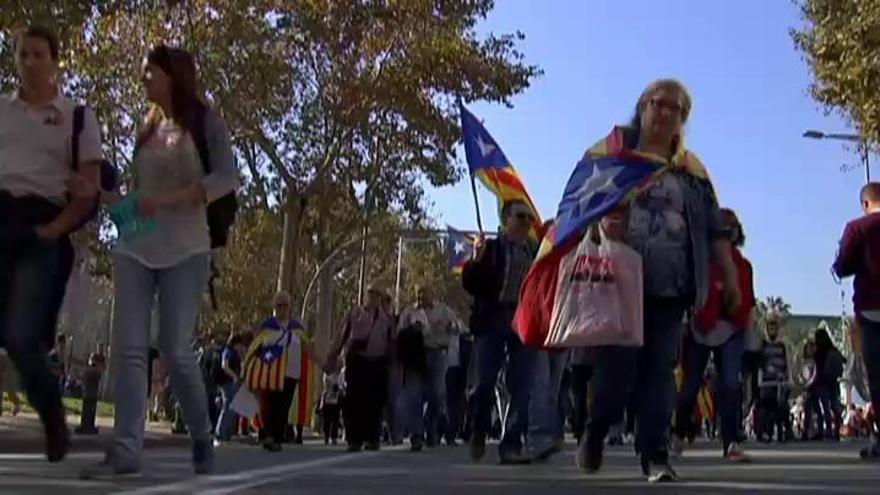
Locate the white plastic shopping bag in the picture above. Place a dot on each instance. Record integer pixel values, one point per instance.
(599, 299)
(245, 403)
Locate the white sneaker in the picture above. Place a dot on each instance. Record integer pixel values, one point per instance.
(735, 453)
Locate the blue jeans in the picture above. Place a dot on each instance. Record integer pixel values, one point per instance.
(418, 388)
(28, 270)
(410, 403)
(180, 290)
(649, 370)
(490, 350)
(545, 414)
(728, 386)
(435, 392)
(228, 417)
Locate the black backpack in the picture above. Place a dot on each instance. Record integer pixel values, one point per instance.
(221, 213)
(109, 177)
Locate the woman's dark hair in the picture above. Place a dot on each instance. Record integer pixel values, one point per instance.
(45, 34)
(738, 236)
(185, 101)
(824, 345)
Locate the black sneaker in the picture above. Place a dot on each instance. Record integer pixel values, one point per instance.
(416, 443)
(355, 447)
(547, 452)
(513, 458)
(589, 455)
(57, 439)
(664, 474)
(478, 447)
(372, 446)
(870, 453)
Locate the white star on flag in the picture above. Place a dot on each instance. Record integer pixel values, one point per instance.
(485, 148)
(601, 180)
(459, 247)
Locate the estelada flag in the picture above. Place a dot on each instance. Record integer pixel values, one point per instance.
(609, 174)
(265, 363)
(488, 163)
(459, 249)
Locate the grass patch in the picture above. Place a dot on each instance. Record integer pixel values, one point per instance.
(73, 406)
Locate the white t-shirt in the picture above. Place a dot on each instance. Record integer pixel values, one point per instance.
(35, 146)
(294, 357)
(439, 322)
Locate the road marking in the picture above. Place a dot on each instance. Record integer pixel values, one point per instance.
(243, 480)
(42, 457)
(43, 482)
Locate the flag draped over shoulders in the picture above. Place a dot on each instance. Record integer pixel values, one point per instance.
(266, 359)
(608, 175)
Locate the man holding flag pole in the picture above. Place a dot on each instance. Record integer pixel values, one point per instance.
(494, 277)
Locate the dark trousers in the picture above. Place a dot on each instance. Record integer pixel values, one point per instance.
(871, 356)
(773, 414)
(212, 391)
(648, 370)
(580, 385)
(813, 409)
(829, 399)
(491, 349)
(87, 416)
(275, 408)
(456, 400)
(728, 385)
(366, 380)
(330, 421)
(30, 271)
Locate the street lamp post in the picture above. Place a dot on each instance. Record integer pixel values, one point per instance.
(863, 146)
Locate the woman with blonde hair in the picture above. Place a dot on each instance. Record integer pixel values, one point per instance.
(674, 223)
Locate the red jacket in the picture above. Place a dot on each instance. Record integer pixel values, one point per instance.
(708, 316)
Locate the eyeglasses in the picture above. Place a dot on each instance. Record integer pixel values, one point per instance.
(672, 106)
(525, 217)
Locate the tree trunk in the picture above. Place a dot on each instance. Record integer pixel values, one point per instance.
(294, 213)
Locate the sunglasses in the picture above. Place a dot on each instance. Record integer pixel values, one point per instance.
(672, 106)
(525, 217)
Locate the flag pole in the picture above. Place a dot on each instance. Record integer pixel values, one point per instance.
(476, 203)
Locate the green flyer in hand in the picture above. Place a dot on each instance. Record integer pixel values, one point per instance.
(128, 222)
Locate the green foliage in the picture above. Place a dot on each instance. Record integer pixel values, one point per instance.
(344, 106)
(841, 43)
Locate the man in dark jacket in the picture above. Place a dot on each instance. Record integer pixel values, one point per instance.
(859, 255)
(494, 278)
(773, 385)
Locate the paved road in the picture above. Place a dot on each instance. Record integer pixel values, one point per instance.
(314, 469)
